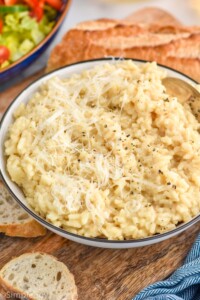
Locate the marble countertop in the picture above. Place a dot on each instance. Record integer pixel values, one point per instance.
(82, 10)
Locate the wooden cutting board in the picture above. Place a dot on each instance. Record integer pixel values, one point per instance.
(103, 274)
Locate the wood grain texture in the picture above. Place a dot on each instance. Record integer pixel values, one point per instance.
(102, 274)
(7, 96)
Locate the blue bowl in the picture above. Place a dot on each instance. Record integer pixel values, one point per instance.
(25, 61)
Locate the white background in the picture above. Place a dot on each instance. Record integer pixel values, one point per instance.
(93, 9)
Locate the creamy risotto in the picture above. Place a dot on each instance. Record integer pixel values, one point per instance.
(107, 153)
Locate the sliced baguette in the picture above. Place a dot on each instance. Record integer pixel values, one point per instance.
(14, 221)
(38, 276)
(173, 45)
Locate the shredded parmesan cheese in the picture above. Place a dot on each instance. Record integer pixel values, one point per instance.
(107, 153)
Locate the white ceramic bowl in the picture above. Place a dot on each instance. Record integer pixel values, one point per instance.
(17, 193)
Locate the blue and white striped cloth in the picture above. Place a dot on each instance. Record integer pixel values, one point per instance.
(183, 284)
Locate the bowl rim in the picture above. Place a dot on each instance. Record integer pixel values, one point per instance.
(41, 44)
(158, 237)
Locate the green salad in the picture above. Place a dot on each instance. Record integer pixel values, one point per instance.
(21, 31)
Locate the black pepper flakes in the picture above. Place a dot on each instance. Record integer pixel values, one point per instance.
(168, 183)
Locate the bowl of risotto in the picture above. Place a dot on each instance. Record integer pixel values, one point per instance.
(99, 153)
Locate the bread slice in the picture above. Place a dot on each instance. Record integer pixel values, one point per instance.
(173, 45)
(38, 276)
(14, 221)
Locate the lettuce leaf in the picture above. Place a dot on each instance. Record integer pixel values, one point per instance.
(21, 33)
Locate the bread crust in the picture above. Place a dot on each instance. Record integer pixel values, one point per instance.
(173, 45)
(9, 288)
(28, 229)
